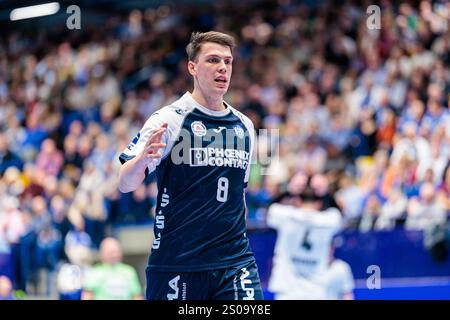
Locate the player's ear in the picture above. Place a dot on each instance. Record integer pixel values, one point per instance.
(192, 68)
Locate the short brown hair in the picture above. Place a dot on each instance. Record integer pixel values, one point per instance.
(197, 38)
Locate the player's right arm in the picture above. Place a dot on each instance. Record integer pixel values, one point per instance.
(133, 172)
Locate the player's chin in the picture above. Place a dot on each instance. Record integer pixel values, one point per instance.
(221, 88)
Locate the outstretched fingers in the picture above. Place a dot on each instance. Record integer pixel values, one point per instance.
(157, 135)
(154, 142)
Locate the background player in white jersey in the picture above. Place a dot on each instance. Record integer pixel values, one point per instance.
(303, 263)
(200, 149)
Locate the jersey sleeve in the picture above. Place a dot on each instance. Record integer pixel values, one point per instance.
(251, 130)
(170, 115)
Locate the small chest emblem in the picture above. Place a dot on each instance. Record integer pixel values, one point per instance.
(239, 131)
(198, 128)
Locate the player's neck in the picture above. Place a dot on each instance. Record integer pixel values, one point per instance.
(211, 102)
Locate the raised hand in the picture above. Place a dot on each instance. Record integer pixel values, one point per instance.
(154, 143)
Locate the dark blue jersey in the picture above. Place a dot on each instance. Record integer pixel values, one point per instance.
(200, 214)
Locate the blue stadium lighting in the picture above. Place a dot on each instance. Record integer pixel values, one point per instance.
(40, 10)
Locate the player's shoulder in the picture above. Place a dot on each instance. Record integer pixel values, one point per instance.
(177, 108)
(172, 113)
(246, 120)
(181, 106)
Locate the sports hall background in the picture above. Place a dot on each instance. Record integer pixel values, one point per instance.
(364, 111)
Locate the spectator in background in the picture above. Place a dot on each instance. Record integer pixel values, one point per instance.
(12, 228)
(111, 279)
(350, 200)
(338, 135)
(313, 157)
(443, 190)
(372, 175)
(437, 162)
(362, 141)
(79, 250)
(392, 211)
(7, 157)
(413, 112)
(321, 186)
(85, 146)
(15, 134)
(92, 209)
(411, 145)
(50, 185)
(424, 211)
(49, 159)
(35, 134)
(48, 241)
(386, 129)
(72, 159)
(6, 257)
(58, 211)
(77, 238)
(433, 117)
(33, 178)
(103, 153)
(400, 175)
(370, 214)
(72, 275)
(92, 178)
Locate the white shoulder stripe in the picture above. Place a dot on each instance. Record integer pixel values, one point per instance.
(245, 120)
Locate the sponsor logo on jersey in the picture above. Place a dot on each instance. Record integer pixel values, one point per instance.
(134, 141)
(219, 157)
(165, 198)
(160, 220)
(249, 291)
(173, 284)
(198, 128)
(157, 241)
(218, 130)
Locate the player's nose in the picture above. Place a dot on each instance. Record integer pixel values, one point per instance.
(222, 67)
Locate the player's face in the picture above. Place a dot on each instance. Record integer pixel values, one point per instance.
(212, 70)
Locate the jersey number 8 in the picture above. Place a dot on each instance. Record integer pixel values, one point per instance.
(222, 189)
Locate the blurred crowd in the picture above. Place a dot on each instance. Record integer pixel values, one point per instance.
(362, 113)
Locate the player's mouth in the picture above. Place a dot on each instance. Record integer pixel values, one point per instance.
(221, 81)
